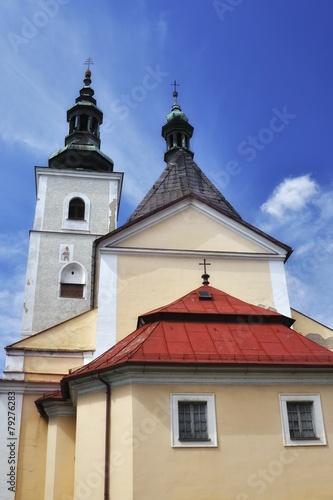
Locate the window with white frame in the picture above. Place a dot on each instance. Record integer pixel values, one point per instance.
(76, 212)
(302, 419)
(193, 420)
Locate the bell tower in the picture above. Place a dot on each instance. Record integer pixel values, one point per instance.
(78, 197)
(177, 131)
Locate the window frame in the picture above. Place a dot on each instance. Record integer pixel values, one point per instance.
(320, 438)
(76, 224)
(209, 399)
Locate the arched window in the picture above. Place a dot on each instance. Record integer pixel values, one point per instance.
(76, 209)
(72, 281)
(84, 123)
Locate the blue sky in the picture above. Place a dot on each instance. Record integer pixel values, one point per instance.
(256, 82)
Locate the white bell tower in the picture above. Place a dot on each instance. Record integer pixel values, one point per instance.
(78, 196)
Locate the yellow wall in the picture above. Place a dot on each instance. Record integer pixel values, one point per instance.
(90, 446)
(76, 334)
(32, 452)
(192, 230)
(149, 281)
(320, 333)
(250, 460)
(146, 283)
(121, 459)
(60, 458)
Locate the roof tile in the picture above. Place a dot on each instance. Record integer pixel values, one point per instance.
(182, 177)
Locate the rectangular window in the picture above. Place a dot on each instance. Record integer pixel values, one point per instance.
(193, 421)
(302, 419)
(71, 290)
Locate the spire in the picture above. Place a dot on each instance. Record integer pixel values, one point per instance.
(84, 117)
(177, 132)
(180, 179)
(82, 144)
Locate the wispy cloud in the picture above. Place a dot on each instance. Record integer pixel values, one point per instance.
(13, 254)
(162, 29)
(290, 197)
(300, 212)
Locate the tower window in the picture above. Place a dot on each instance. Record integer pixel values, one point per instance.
(76, 209)
(83, 122)
(179, 140)
(72, 281)
(71, 290)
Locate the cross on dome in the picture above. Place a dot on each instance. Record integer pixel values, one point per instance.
(88, 62)
(205, 276)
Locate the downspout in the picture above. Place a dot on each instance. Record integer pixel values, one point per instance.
(107, 439)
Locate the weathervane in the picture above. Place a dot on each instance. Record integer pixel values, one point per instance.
(88, 62)
(205, 276)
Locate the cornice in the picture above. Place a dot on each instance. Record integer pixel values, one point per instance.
(157, 252)
(90, 174)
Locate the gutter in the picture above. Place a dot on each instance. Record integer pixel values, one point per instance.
(107, 439)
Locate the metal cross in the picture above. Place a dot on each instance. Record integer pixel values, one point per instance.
(204, 263)
(175, 85)
(88, 62)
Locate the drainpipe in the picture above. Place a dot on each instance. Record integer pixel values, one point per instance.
(107, 439)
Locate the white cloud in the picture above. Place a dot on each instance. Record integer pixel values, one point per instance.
(13, 255)
(162, 29)
(291, 196)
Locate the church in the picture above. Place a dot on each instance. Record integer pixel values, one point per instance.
(161, 358)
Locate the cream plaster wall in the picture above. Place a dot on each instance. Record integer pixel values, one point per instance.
(189, 230)
(90, 446)
(59, 482)
(122, 443)
(306, 325)
(250, 460)
(145, 283)
(38, 367)
(32, 452)
(76, 334)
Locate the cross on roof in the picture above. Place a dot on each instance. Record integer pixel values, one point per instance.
(88, 62)
(175, 85)
(204, 263)
(205, 276)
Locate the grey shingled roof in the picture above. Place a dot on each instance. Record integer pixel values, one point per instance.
(181, 178)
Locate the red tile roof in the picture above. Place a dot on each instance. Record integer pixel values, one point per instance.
(221, 330)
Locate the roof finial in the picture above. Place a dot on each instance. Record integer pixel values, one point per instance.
(87, 74)
(175, 93)
(205, 276)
